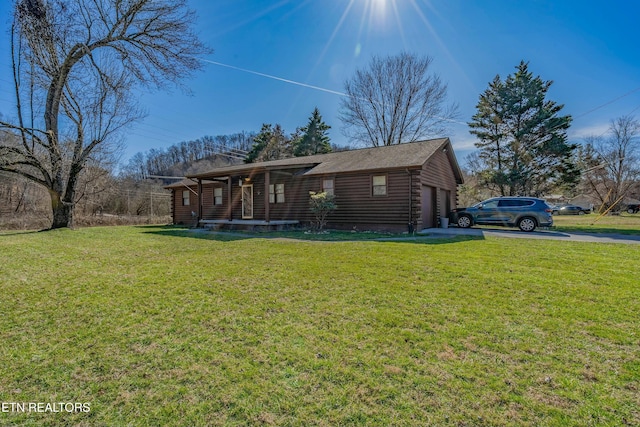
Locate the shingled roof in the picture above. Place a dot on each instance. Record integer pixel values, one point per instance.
(410, 155)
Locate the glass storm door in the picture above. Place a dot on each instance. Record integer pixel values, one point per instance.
(247, 201)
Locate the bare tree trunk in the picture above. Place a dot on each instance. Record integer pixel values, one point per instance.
(62, 213)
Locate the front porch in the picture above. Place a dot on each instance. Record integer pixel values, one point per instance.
(247, 224)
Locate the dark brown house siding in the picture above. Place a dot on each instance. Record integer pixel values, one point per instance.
(437, 175)
(182, 213)
(421, 181)
(359, 208)
(296, 196)
(209, 209)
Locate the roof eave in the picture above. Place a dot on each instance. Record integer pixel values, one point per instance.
(358, 171)
(251, 168)
(454, 162)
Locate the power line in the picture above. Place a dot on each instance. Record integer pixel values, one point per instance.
(607, 103)
(634, 110)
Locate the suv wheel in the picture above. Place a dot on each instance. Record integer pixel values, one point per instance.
(464, 221)
(527, 224)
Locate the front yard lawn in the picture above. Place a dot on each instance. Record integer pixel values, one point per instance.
(593, 223)
(155, 326)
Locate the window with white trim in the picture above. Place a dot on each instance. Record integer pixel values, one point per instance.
(185, 197)
(217, 195)
(276, 193)
(327, 186)
(279, 193)
(379, 185)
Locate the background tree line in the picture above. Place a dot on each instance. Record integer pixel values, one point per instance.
(137, 188)
(610, 165)
(104, 189)
(187, 156)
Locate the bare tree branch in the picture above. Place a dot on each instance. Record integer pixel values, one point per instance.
(612, 162)
(85, 56)
(395, 100)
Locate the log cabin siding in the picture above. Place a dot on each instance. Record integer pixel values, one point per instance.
(437, 173)
(416, 188)
(209, 209)
(357, 204)
(182, 214)
(296, 196)
(426, 169)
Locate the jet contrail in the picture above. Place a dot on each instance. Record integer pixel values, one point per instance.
(275, 78)
(302, 84)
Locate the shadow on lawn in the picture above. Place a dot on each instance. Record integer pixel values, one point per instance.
(18, 232)
(596, 230)
(194, 233)
(301, 236)
(623, 224)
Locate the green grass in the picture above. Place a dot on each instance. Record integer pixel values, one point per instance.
(156, 326)
(325, 235)
(593, 223)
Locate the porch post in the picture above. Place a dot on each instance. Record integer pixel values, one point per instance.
(267, 178)
(230, 198)
(199, 200)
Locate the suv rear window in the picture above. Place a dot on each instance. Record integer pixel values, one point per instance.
(515, 203)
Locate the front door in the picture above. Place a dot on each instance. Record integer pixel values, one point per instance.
(247, 201)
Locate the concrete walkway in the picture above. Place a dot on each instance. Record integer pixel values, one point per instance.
(540, 234)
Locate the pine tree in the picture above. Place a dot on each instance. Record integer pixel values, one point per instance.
(522, 139)
(270, 144)
(314, 139)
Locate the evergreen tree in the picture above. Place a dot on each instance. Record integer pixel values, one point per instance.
(314, 139)
(522, 138)
(270, 144)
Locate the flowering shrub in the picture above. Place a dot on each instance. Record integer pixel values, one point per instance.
(321, 204)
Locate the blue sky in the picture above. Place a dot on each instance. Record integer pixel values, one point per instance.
(588, 48)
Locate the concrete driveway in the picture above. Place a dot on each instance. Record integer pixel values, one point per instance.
(539, 234)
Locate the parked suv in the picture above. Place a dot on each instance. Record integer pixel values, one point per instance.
(633, 208)
(569, 210)
(526, 213)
